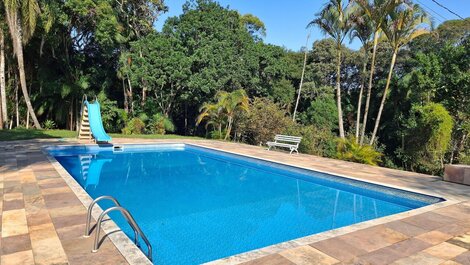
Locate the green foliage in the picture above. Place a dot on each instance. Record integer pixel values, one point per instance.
(315, 139)
(263, 121)
(49, 125)
(283, 92)
(134, 126)
(322, 113)
(224, 111)
(428, 137)
(160, 124)
(114, 118)
(348, 149)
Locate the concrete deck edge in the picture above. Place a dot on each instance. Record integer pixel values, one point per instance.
(124, 244)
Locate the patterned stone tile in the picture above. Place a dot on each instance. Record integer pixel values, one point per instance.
(13, 205)
(14, 223)
(308, 255)
(409, 247)
(13, 196)
(421, 258)
(71, 220)
(23, 258)
(67, 211)
(434, 237)
(455, 229)
(405, 228)
(13, 244)
(430, 220)
(55, 190)
(373, 238)
(381, 257)
(338, 249)
(445, 251)
(46, 245)
(274, 259)
(462, 241)
(450, 262)
(61, 200)
(463, 258)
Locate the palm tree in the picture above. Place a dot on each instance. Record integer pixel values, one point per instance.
(234, 102)
(22, 26)
(333, 20)
(224, 111)
(362, 29)
(213, 113)
(405, 23)
(376, 11)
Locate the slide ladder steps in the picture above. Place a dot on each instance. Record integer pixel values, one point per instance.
(85, 131)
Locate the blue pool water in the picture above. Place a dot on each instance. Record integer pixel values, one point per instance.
(196, 205)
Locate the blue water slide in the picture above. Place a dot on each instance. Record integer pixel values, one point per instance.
(96, 124)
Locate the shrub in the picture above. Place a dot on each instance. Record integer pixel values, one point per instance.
(134, 126)
(347, 149)
(160, 124)
(428, 137)
(215, 134)
(49, 125)
(315, 141)
(113, 117)
(264, 120)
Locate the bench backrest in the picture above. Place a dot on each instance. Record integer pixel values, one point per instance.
(287, 138)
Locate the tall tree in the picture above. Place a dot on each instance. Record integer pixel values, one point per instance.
(406, 22)
(362, 29)
(3, 98)
(376, 11)
(21, 16)
(334, 21)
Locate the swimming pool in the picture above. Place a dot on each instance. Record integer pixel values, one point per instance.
(196, 204)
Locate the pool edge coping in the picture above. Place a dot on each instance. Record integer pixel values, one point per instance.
(136, 256)
(131, 253)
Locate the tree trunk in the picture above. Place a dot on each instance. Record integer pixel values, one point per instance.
(17, 104)
(3, 97)
(384, 97)
(129, 95)
(15, 32)
(359, 101)
(301, 78)
(338, 94)
(126, 103)
(229, 127)
(369, 88)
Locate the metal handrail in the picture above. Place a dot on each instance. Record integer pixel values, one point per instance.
(131, 222)
(90, 209)
(127, 215)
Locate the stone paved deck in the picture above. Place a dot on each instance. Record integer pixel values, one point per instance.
(42, 220)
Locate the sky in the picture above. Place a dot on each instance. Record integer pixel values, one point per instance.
(286, 21)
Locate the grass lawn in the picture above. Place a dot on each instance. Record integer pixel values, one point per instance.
(25, 134)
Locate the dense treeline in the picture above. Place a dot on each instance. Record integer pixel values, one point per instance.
(402, 100)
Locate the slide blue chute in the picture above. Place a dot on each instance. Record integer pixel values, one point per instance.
(96, 124)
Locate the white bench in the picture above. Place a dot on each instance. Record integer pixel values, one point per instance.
(286, 141)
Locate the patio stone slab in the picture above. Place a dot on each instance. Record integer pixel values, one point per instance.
(307, 255)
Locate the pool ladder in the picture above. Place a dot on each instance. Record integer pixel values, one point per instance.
(125, 213)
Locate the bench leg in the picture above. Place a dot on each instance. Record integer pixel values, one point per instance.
(293, 149)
